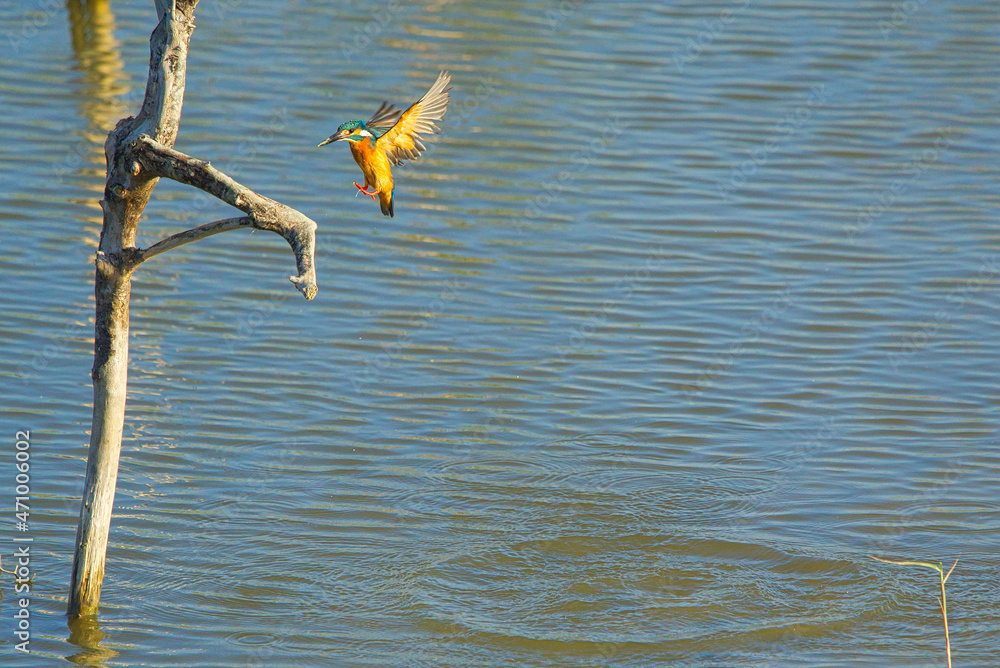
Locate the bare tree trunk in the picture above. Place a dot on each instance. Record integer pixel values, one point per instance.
(139, 151)
(110, 374)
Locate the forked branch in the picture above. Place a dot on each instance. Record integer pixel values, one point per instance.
(263, 213)
(139, 151)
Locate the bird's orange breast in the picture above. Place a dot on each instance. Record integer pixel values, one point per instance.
(374, 164)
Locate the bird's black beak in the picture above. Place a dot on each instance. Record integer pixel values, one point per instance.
(332, 138)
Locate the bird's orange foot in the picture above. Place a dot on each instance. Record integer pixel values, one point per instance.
(364, 189)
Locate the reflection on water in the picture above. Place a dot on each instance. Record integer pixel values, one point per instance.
(689, 310)
(102, 92)
(85, 632)
(98, 56)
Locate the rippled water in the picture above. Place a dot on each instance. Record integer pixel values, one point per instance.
(691, 309)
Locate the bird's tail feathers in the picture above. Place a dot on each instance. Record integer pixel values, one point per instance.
(385, 200)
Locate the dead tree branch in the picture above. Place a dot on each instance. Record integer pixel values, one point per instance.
(139, 152)
(263, 213)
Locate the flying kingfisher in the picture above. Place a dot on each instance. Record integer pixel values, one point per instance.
(389, 136)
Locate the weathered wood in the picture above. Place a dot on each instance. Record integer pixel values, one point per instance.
(264, 213)
(110, 373)
(139, 151)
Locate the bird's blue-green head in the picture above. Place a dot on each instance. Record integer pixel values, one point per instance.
(352, 131)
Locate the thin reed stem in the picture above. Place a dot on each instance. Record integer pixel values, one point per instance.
(942, 602)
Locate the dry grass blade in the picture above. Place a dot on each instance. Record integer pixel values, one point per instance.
(942, 601)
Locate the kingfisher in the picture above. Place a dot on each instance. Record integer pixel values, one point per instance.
(390, 136)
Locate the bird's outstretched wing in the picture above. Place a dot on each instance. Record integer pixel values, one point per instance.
(384, 119)
(403, 140)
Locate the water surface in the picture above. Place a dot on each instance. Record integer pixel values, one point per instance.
(690, 310)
